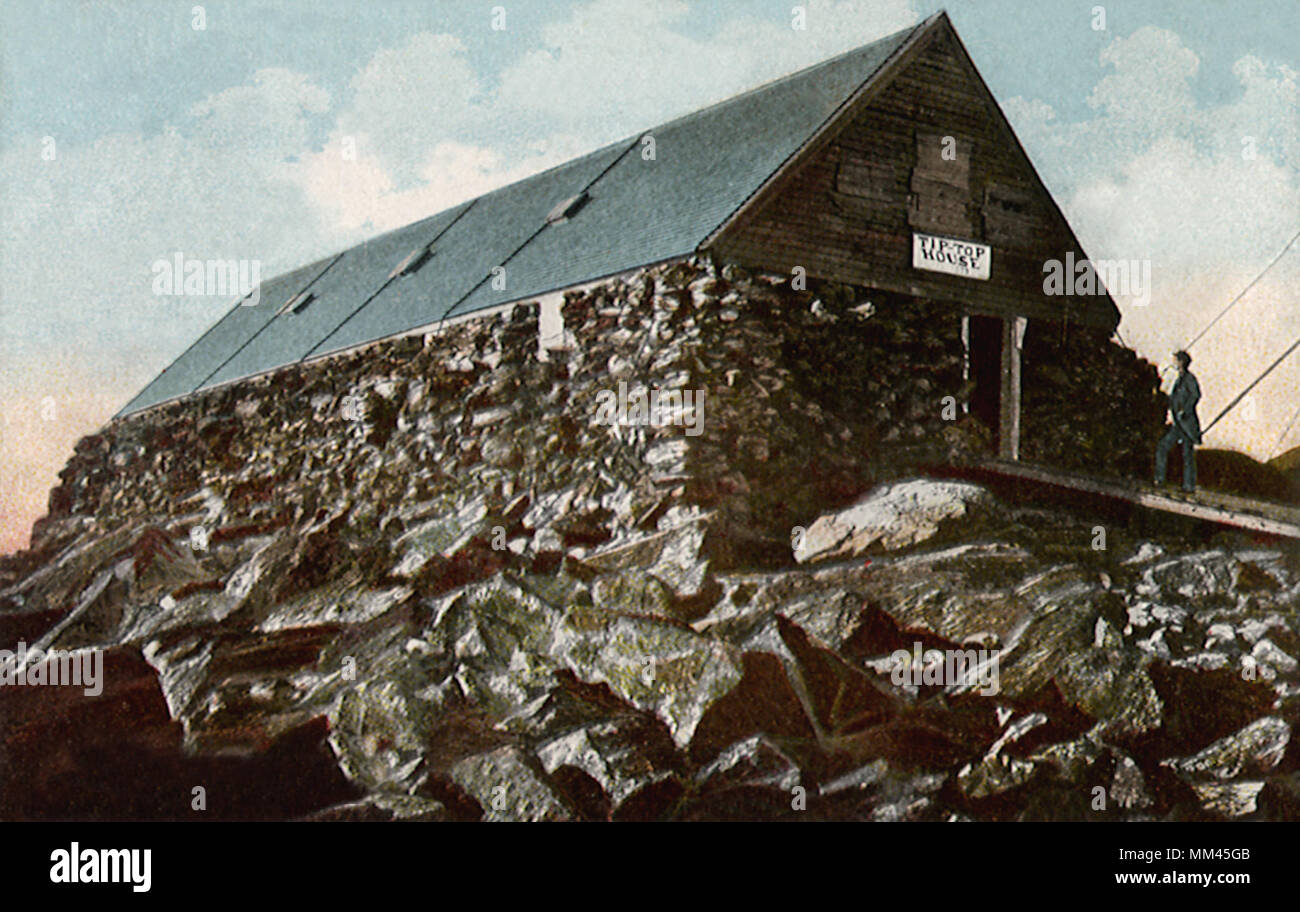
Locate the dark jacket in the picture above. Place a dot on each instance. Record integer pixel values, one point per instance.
(1182, 406)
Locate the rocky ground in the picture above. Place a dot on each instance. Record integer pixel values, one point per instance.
(425, 583)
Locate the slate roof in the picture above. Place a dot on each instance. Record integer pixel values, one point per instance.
(639, 211)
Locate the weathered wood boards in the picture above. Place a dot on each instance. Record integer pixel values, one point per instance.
(924, 149)
(1013, 339)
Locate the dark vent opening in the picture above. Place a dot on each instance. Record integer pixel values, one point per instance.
(567, 209)
(412, 261)
(298, 303)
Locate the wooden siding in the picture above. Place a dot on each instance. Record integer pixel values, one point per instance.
(889, 169)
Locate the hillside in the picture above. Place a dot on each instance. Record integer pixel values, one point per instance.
(1237, 473)
(1288, 464)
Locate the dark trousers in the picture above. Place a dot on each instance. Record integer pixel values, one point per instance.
(1172, 436)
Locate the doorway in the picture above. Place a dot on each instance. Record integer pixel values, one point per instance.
(984, 360)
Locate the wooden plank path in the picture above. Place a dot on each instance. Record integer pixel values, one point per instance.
(1214, 506)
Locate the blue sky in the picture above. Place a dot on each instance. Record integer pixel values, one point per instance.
(128, 66)
(226, 141)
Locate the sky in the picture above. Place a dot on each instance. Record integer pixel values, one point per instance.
(1168, 132)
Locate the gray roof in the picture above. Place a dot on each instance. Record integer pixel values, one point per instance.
(233, 331)
(356, 280)
(639, 210)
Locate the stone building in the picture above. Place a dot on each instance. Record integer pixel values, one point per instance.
(889, 168)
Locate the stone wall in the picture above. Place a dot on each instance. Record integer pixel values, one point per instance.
(805, 402)
(1088, 403)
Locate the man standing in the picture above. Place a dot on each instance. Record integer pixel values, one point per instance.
(1186, 428)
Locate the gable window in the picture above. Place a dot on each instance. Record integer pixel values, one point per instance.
(940, 198)
(1010, 217)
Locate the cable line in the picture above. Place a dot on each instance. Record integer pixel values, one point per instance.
(1233, 303)
(1277, 448)
(1243, 393)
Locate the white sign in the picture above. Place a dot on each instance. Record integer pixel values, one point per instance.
(959, 258)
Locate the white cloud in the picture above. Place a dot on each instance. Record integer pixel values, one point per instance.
(78, 320)
(618, 66)
(428, 131)
(360, 196)
(1148, 90)
(265, 118)
(408, 98)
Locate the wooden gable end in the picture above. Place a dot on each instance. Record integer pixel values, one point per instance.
(923, 148)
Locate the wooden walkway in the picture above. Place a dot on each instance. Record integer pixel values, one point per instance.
(1213, 506)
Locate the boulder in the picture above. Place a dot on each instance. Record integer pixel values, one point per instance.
(510, 786)
(893, 516)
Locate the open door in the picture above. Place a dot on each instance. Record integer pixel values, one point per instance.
(993, 364)
(984, 357)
